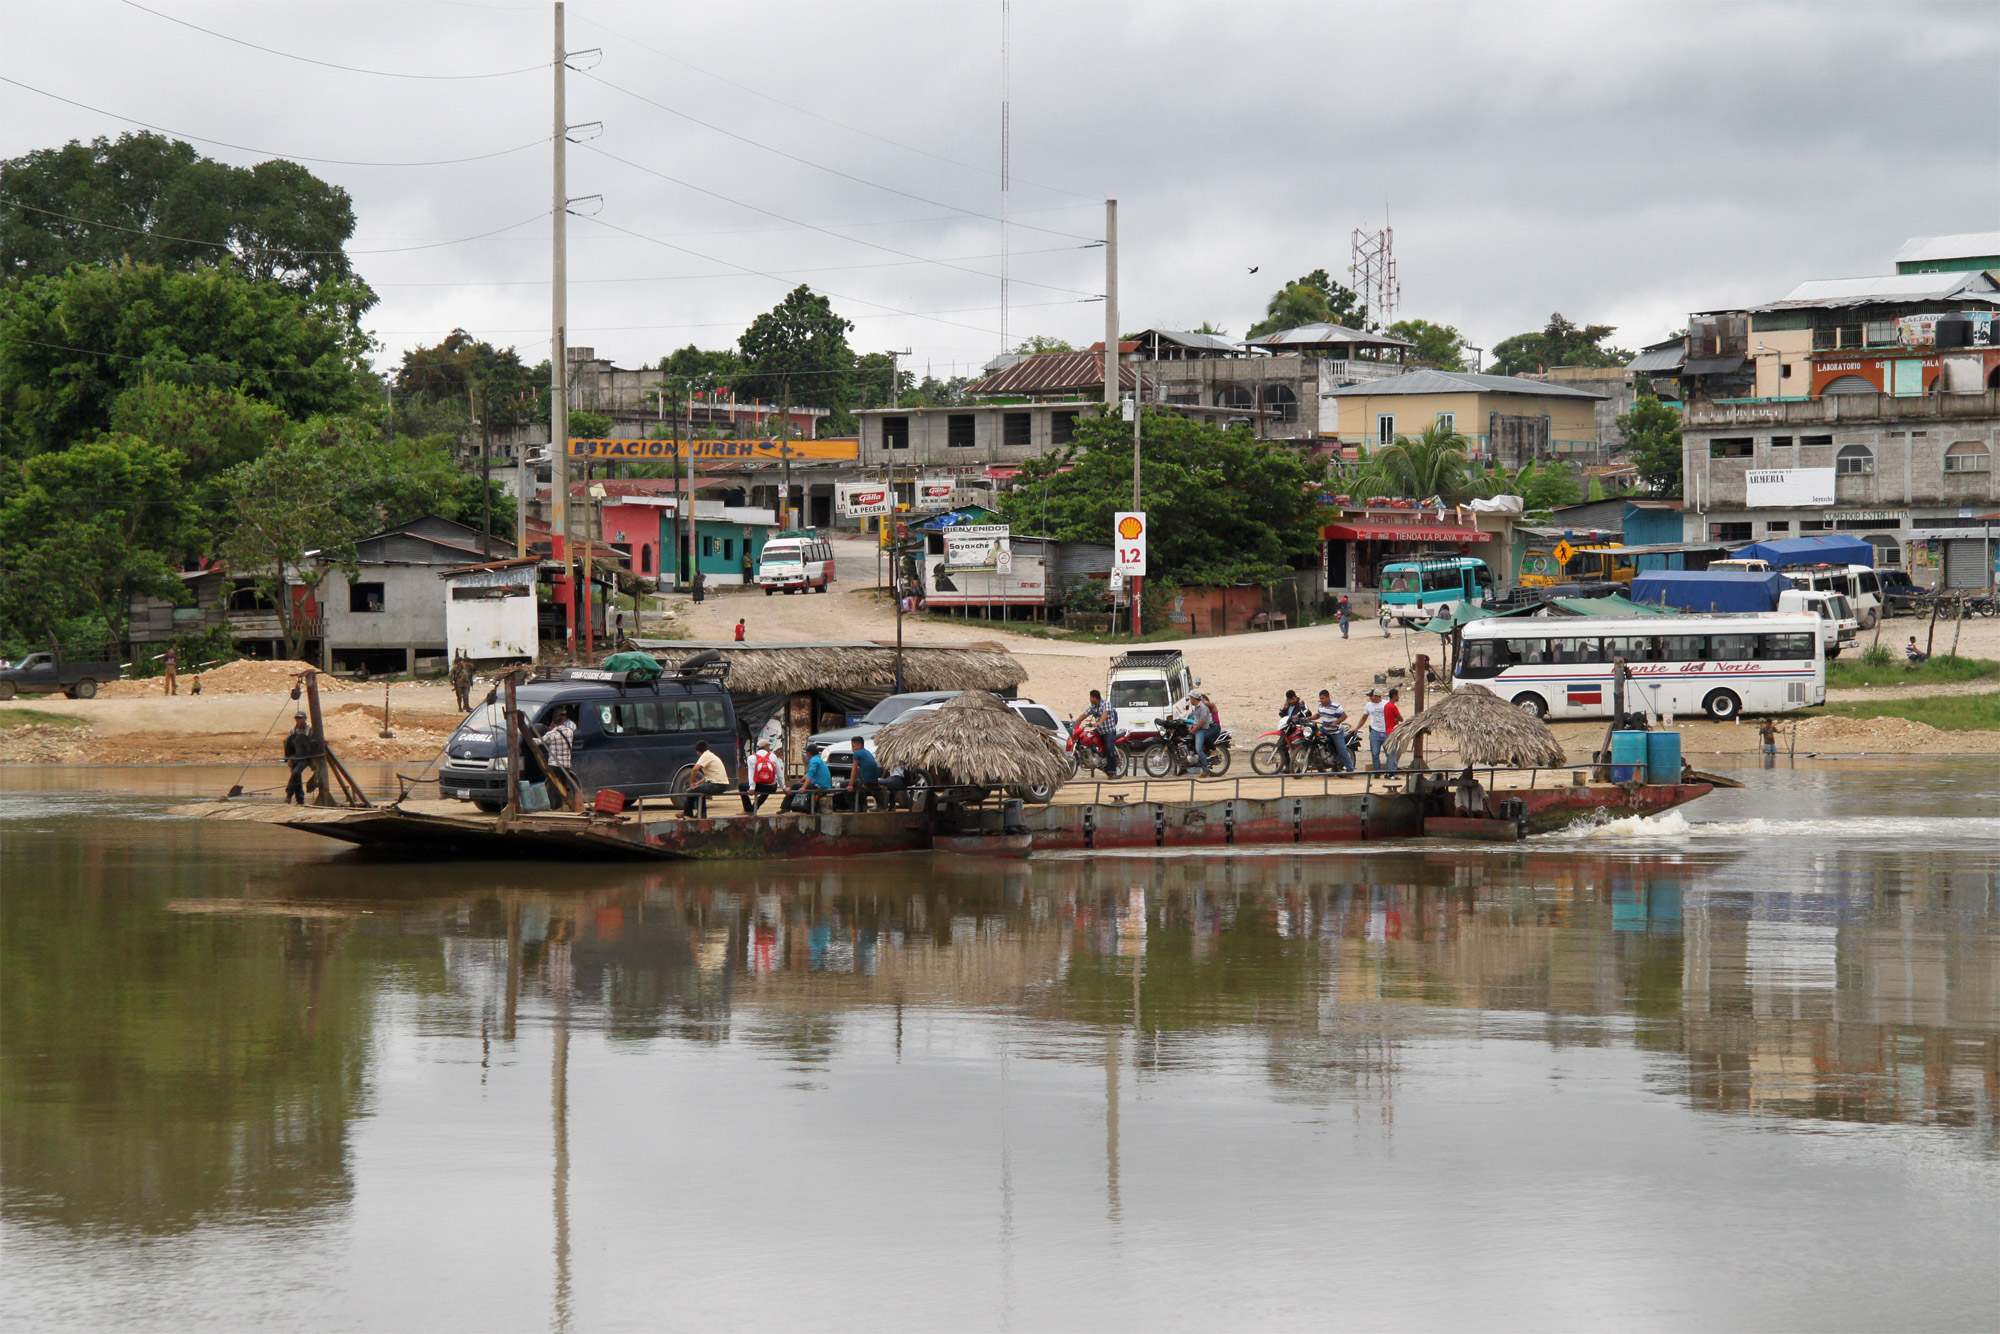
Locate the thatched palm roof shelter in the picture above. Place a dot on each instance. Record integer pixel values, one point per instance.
(859, 666)
(1483, 729)
(974, 739)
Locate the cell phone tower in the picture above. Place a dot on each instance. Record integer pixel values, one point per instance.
(1373, 270)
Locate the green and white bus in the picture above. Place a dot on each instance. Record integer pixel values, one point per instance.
(1417, 589)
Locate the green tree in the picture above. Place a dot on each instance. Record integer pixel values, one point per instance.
(590, 425)
(1438, 345)
(463, 376)
(212, 427)
(796, 354)
(1652, 432)
(932, 392)
(155, 200)
(1041, 343)
(83, 530)
(70, 345)
(1560, 343)
(1314, 299)
(1418, 467)
(1223, 508)
(1542, 486)
(871, 382)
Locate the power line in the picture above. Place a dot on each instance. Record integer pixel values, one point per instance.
(854, 240)
(808, 111)
(328, 64)
(692, 277)
(224, 245)
(820, 166)
(581, 330)
(265, 152)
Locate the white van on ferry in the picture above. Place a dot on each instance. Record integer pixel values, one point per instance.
(1720, 665)
(795, 562)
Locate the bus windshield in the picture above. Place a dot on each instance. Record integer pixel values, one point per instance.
(781, 553)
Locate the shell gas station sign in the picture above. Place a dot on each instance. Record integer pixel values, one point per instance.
(1128, 543)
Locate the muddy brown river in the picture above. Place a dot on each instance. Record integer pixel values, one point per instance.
(1736, 1067)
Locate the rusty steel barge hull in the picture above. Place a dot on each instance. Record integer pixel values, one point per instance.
(1187, 817)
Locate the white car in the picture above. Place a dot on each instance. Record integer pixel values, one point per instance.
(840, 754)
(1839, 629)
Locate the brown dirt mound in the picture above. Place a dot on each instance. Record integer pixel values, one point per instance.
(1893, 732)
(40, 743)
(246, 676)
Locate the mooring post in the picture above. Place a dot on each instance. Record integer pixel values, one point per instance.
(320, 774)
(1422, 670)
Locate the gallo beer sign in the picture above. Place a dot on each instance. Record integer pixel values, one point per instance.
(861, 499)
(1128, 542)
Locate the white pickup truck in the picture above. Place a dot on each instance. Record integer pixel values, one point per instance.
(1838, 627)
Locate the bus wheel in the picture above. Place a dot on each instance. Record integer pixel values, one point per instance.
(1531, 703)
(1722, 705)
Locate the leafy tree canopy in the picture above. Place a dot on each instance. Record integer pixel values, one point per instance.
(871, 382)
(84, 529)
(1314, 299)
(716, 370)
(1438, 345)
(1224, 508)
(211, 427)
(1561, 343)
(797, 353)
(463, 371)
(932, 392)
(1041, 343)
(71, 344)
(155, 200)
(1652, 431)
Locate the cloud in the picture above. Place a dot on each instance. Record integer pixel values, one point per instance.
(1622, 164)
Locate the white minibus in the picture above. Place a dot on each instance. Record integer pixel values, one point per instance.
(1721, 665)
(795, 562)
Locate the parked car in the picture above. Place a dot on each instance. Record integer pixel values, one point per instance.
(838, 740)
(1899, 591)
(840, 744)
(1859, 584)
(1040, 715)
(636, 739)
(46, 673)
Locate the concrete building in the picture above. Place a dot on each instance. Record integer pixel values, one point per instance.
(1963, 253)
(390, 617)
(1505, 418)
(635, 402)
(1618, 390)
(1861, 405)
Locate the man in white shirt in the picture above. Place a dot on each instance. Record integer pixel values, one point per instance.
(1378, 728)
(1330, 718)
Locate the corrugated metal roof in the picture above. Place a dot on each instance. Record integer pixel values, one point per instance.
(1310, 335)
(1207, 342)
(1053, 373)
(1965, 245)
(1658, 359)
(1895, 287)
(1458, 382)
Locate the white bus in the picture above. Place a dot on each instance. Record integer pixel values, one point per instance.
(1721, 665)
(795, 562)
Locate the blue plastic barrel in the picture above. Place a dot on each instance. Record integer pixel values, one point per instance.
(1663, 757)
(1628, 755)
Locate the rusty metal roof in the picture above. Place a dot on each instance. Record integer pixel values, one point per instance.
(1054, 373)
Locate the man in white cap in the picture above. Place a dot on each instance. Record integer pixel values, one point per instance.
(1378, 728)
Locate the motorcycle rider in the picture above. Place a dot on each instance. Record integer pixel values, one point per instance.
(1331, 718)
(1291, 712)
(1104, 721)
(1203, 727)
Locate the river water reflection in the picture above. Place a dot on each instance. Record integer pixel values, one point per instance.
(1732, 1070)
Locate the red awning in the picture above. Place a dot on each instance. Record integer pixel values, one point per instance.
(1403, 532)
(1000, 473)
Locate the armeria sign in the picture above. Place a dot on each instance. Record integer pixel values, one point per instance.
(1767, 487)
(861, 499)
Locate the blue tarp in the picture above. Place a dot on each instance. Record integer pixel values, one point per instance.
(1831, 549)
(1709, 590)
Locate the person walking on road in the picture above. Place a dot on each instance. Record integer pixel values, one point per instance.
(700, 585)
(299, 753)
(739, 629)
(172, 660)
(1346, 615)
(1377, 711)
(461, 681)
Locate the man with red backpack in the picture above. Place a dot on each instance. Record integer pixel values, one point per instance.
(762, 779)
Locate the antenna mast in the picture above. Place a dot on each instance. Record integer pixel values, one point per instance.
(1373, 270)
(1006, 154)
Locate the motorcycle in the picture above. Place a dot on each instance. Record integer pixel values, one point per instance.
(1173, 754)
(1302, 746)
(1085, 753)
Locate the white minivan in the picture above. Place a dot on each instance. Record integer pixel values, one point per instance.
(1838, 628)
(1859, 584)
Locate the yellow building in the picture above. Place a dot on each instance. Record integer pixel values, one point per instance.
(1502, 417)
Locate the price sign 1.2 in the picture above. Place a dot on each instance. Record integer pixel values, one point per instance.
(1128, 542)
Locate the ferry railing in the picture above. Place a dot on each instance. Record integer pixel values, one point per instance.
(1201, 789)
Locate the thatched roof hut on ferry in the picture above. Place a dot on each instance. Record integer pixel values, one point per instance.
(975, 740)
(864, 666)
(1483, 729)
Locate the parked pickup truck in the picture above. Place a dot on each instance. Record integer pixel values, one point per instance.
(44, 673)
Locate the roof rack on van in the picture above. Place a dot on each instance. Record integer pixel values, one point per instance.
(1148, 658)
(599, 674)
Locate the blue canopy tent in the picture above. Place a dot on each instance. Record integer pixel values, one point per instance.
(1827, 550)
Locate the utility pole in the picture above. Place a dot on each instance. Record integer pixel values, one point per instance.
(559, 335)
(1110, 306)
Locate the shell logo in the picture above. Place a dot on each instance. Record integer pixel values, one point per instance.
(1130, 528)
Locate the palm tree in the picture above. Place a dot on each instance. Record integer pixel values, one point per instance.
(1427, 466)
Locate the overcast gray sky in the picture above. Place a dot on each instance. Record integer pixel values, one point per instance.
(1621, 163)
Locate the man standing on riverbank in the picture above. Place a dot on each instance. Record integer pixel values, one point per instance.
(172, 660)
(461, 681)
(298, 754)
